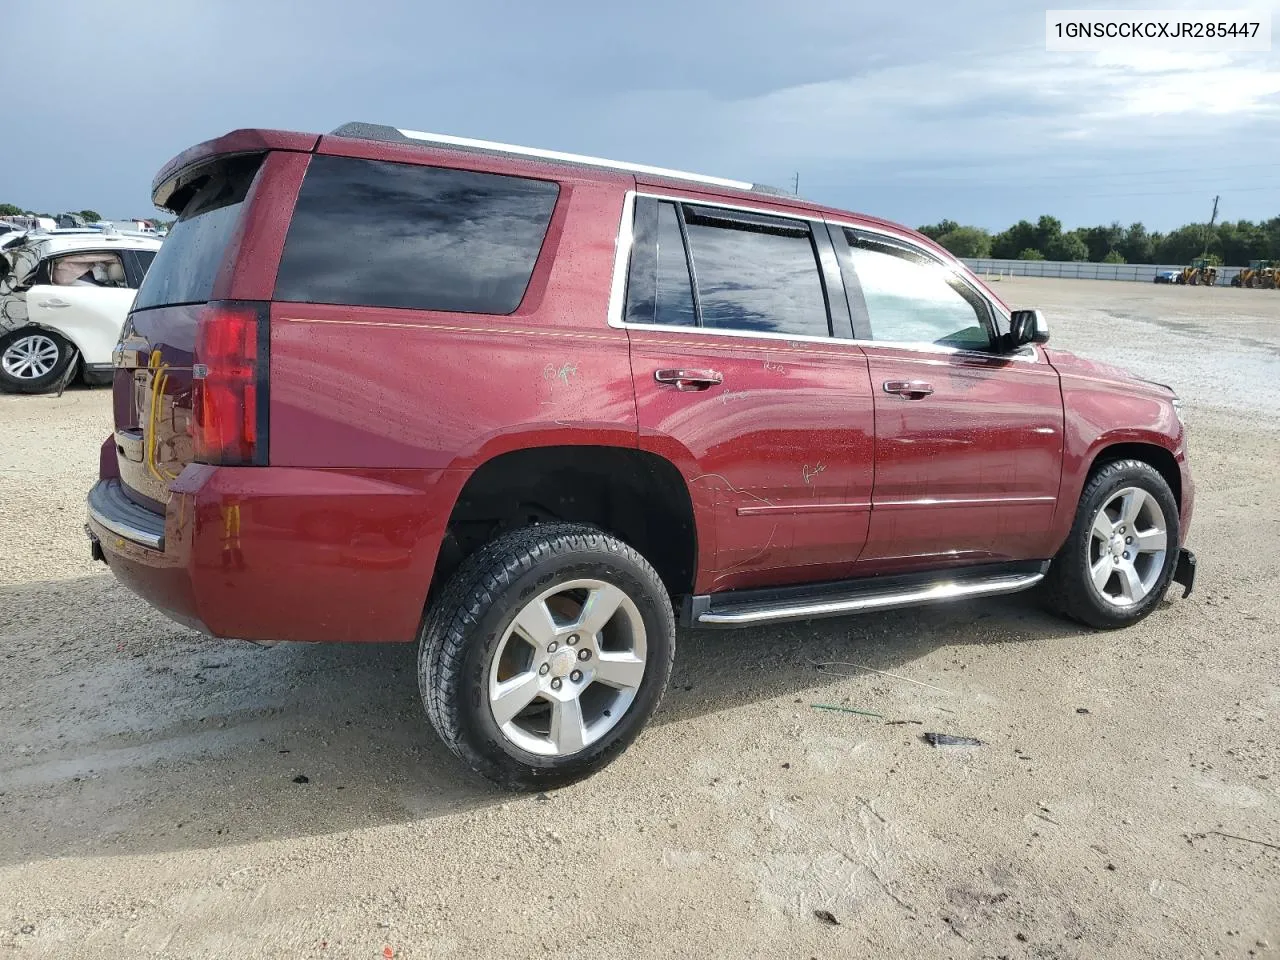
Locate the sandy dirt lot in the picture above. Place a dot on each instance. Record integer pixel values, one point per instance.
(167, 795)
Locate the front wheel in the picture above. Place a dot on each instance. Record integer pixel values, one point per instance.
(33, 360)
(1122, 550)
(545, 655)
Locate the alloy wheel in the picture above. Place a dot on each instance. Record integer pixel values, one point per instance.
(568, 668)
(1127, 547)
(30, 357)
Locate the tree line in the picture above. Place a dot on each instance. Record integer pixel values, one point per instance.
(12, 210)
(1231, 243)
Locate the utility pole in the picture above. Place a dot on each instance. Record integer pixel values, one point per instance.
(795, 184)
(1209, 230)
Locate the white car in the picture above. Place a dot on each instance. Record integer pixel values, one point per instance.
(63, 301)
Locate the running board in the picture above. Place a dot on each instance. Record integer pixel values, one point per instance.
(748, 608)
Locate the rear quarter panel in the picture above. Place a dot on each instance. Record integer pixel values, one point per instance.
(390, 388)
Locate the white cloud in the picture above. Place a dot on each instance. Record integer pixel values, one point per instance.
(1013, 105)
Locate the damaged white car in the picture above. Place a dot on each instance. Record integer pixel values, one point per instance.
(63, 301)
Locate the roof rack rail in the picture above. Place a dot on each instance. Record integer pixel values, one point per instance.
(382, 132)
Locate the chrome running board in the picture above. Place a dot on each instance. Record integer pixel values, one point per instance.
(749, 608)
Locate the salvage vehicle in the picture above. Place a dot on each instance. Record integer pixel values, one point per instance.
(529, 409)
(64, 297)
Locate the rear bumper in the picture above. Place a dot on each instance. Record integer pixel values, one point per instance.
(115, 513)
(271, 553)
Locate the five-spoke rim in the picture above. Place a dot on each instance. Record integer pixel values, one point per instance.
(567, 668)
(30, 357)
(1127, 547)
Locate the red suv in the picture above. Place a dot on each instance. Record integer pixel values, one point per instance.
(526, 408)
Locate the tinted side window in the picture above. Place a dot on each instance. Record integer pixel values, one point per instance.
(911, 298)
(675, 290)
(371, 233)
(189, 260)
(659, 289)
(756, 273)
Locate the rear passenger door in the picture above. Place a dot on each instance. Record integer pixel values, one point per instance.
(747, 378)
(968, 439)
(85, 295)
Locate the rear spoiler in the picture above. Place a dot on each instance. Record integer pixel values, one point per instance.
(173, 185)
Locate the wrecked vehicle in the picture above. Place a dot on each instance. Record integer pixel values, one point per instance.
(529, 409)
(63, 300)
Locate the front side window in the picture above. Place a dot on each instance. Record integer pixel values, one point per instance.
(379, 234)
(99, 269)
(911, 298)
(756, 274)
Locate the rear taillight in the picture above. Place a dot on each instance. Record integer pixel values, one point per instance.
(229, 384)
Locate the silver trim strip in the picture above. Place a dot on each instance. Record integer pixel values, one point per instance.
(887, 601)
(539, 153)
(622, 261)
(962, 502)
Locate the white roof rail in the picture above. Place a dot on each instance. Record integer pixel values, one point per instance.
(371, 131)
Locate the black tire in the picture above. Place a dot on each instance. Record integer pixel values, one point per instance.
(1068, 588)
(34, 384)
(465, 625)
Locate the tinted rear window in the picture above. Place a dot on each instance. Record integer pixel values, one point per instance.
(372, 233)
(189, 260)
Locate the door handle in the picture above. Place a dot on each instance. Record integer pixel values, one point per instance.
(909, 389)
(689, 379)
(54, 304)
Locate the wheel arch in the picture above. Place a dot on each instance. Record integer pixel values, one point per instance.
(1159, 457)
(636, 495)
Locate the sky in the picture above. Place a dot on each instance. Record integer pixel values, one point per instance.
(915, 112)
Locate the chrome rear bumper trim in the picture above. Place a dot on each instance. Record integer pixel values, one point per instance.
(110, 509)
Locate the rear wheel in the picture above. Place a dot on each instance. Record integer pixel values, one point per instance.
(545, 655)
(33, 360)
(1120, 555)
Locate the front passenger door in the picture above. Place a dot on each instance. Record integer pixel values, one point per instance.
(968, 440)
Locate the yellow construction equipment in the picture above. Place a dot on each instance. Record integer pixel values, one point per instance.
(1200, 273)
(1260, 273)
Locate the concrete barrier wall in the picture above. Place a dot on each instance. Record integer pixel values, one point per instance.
(1077, 270)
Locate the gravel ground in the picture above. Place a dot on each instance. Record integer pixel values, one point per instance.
(168, 795)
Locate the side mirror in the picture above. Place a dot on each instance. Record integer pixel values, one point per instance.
(1027, 326)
